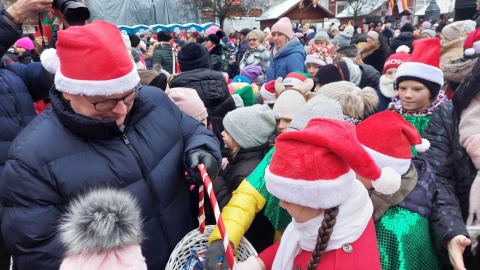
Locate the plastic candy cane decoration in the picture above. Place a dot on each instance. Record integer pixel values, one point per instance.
(213, 200)
(201, 209)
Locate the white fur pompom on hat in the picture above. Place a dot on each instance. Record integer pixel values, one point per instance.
(389, 181)
(402, 49)
(50, 60)
(424, 146)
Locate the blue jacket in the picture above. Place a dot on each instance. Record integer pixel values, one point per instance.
(20, 85)
(289, 58)
(62, 154)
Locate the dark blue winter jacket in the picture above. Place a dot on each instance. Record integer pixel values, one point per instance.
(61, 154)
(20, 85)
(289, 58)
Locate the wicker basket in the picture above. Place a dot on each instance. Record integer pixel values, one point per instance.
(196, 240)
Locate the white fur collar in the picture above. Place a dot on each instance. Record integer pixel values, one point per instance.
(386, 86)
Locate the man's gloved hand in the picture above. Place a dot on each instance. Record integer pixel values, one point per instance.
(214, 251)
(200, 156)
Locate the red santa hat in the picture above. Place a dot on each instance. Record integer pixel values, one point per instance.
(472, 43)
(297, 80)
(392, 149)
(268, 91)
(394, 60)
(423, 63)
(315, 167)
(91, 60)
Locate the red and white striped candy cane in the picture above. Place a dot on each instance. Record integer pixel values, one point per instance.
(201, 209)
(213, 200)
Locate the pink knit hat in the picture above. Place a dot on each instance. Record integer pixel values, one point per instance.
(212, 30)
(283, 26)
(189, 102)
(25, 43)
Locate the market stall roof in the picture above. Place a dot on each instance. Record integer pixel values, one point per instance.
(282, 9)
(365, 8)
(446, 6)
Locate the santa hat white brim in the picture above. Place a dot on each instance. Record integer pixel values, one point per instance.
(268, 96)
(317, 194)
(97, 88)
(420, 70)
(400, 165)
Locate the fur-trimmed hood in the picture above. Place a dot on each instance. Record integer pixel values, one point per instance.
(101, 221)
(368, 49)
(457, 70)
(451, 50)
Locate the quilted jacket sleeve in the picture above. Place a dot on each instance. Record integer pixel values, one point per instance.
(446, 220)
(239, 213)
(9, 35)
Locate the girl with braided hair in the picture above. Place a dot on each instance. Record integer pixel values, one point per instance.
(312, 173)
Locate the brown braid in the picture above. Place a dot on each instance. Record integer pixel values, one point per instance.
(324, 233)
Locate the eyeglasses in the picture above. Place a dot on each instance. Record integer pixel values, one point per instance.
(252, 40)
(107, 105)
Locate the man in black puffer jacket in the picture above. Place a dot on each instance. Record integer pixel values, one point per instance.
(20, 85)
(194, 60)
(101, 131)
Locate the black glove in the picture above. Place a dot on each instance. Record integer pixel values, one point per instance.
(214, 251)
(200, 156)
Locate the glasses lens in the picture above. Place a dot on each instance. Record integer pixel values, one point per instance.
(252, 40)
(130, 98)
(105, 105)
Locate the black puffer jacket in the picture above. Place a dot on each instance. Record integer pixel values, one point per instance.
(454, 173)
(405, 38)
(212, 89)
(371, 78)
(216, 54)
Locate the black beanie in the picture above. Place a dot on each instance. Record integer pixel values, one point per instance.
(164, 36)
(159, 81)
(193, 56)
(408, 27)
(134, 40)
(330, 73)
(215, 38)
(433, 87)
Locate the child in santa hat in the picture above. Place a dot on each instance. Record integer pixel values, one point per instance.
(332, 226)
(390, 69)
(102, 230)
(418, 81)
(407, 211)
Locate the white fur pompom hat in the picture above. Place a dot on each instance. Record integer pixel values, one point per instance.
(312, 168)
(392, 148)
(102, 230)
(91, 60)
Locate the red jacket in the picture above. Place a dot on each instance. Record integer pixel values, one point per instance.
(363, 255)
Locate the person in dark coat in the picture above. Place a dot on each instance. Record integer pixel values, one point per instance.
(163, 52)
(211, 86)
(242, 44)
(20, 86)
(375, 51)
(102, 130)
(451, 132)
(215, 50)
(406, 38)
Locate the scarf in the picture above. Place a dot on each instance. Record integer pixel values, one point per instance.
(355, 73)
(469, 131)
(396, 106)
(386, 86)
(352, 219)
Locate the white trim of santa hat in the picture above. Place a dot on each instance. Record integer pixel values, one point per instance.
(424, 62)
(312, 168)
(314, 59)
(392, 148)
(91, 60)
(472, 43)
(268, 91)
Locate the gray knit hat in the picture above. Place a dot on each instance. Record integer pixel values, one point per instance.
(322, 35)
(318, 107)
(250, 126)
(288, 104)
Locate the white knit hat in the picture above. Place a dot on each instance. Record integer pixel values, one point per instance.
(288, 104)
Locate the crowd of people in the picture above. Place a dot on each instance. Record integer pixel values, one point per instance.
(329, 148)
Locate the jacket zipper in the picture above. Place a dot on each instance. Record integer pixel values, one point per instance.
(150, 186)
(15, 102)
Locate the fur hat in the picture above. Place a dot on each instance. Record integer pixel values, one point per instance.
(189, 102)
(102, 230)
(423, 65)
(250, 126)
(298, 81)
(330, 73)
(283, 26)
(453, 30)
(25, 43)
(373, 35)
(318, 107)
(392, 149)
(268, 91)
(356, 103)
(193, 56)
(288, 104)
(294, 174)
(251, 72)
(394, 60)
(76, 75)
(472, 44)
